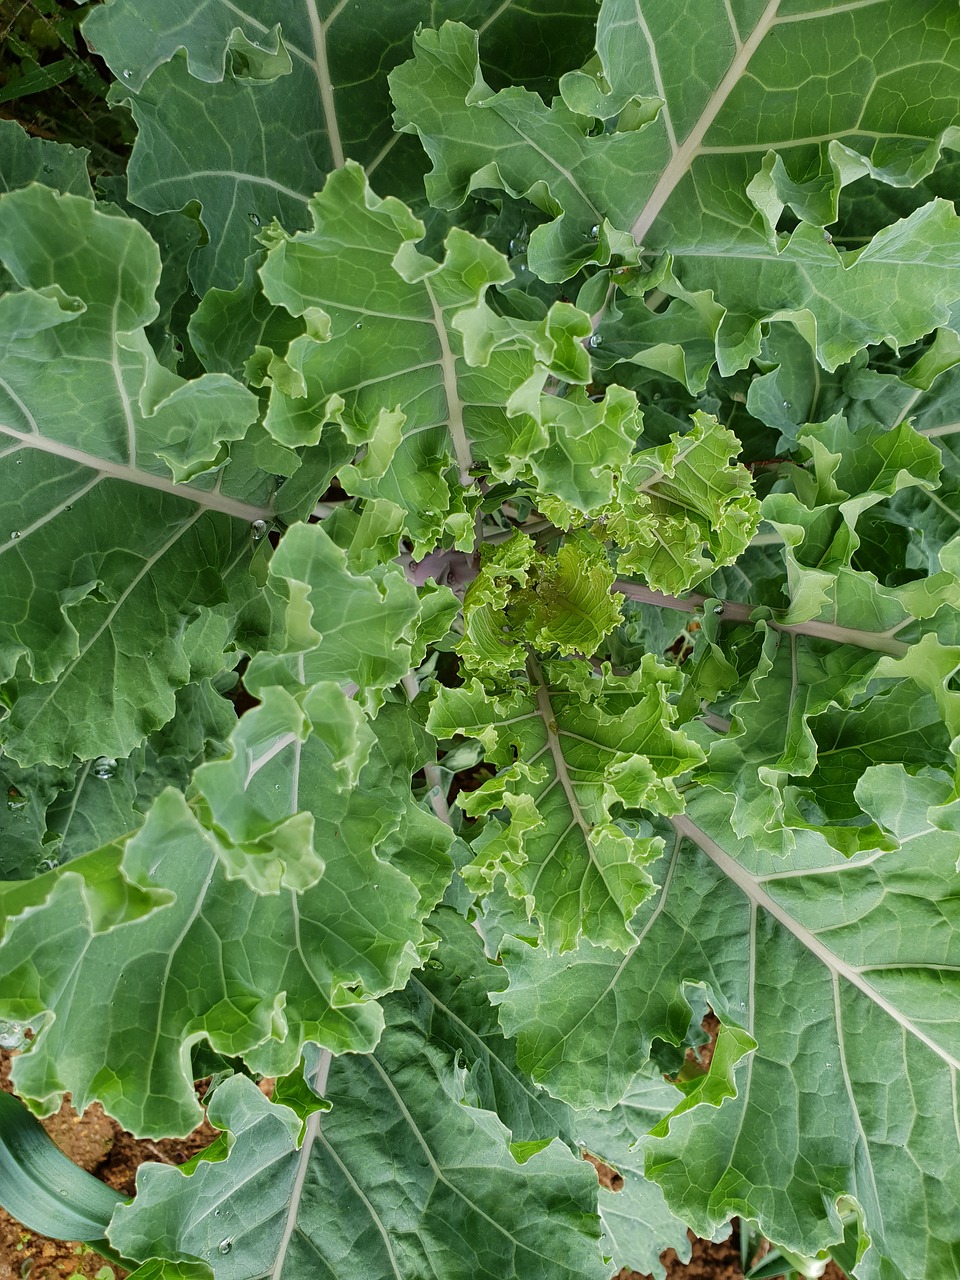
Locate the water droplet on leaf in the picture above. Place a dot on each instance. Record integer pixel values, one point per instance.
(104, 767)
(127, 74)
(434, 963)
(225, 1246)
(15, 533)
(254, 218)
(594, 232)
(15, 799)
(12, 1035)
(258, 529)
(358, 325)
(595, 341)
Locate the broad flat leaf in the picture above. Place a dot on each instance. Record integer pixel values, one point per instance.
(463, 1207)
(98, 632)
(637, 1224)
(569, 747)
(259, 825)
(901, 285)
(839, 974)
(695, 122)
(291, 88)
(26, 159)
(770, 760)
(51, 815)
(851, 471)
(256, 974)
(450, 997)
(403, 357)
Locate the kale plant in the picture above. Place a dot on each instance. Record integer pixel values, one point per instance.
(479, 589)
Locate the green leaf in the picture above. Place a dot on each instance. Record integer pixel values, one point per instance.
(96, 616)
(365, 629)
(518, 598)
(27, 159)
(464, 1207)
(259, 75)
(797, 955)
(569, 748)
(42, 1187)
(691, 124)
(255, 974)
(449, 997)
(682, 509)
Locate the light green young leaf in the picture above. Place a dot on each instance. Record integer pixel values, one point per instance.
(582, 746)
(807, 960)
(100, 630)
(520, 598)
(682, 509)
(464, 1206)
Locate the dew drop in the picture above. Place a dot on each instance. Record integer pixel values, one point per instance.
(15, 533)
(48, 168)
(15, 799)
(68, 507)
(594, 232)
(127, 74)
(225, 1246)
(258, 529)
(434, 963)
(217, 1212)
(595, 341)
(104, 767)
(358, 325)
(254, 218)
(12, 1035)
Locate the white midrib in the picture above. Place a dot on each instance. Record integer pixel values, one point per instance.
(682, 158)
(556, 751)
(143, 479)
(837, 968)
(318, 30)
(311, 1130)
(448, 369)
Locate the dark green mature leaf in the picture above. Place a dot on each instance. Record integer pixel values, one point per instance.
(99, 443)
(290, 88)
(805, 960)
(463, 1207)
(254, 973)
(25, 160)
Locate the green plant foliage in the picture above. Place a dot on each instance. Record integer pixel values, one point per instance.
(480, 588)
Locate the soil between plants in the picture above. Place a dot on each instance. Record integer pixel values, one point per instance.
(99, 1145)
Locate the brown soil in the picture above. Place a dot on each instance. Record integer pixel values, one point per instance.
(99, 1145)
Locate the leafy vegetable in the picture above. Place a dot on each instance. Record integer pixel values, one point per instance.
(480, 589)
